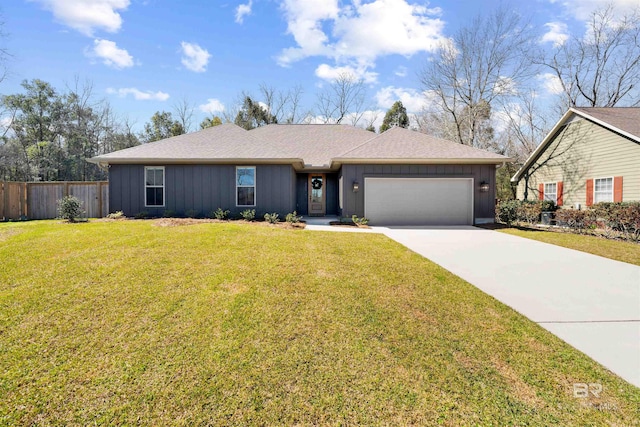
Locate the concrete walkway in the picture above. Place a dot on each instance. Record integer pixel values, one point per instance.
(592, 303)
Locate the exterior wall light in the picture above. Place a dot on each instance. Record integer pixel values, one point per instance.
(356, 186)
(484, 187)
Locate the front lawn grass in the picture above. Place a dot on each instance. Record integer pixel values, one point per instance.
(613, 249)
(234, 324)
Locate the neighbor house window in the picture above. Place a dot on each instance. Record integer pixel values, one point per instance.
(246, 186)
(603, 190)
(551, 192)
(154, 186)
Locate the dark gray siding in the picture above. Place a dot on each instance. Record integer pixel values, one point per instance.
(484, 203)
(302, 194)
(332, 194)
(203, 188)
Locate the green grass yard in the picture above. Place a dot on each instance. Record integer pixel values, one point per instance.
(236, 324)
(614, 249)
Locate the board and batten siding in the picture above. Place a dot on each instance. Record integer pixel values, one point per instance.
(202, 188)
(484, 203)
(580, 151)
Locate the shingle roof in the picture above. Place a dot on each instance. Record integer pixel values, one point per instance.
(626, 119)
(399, 143)
(226, 141)
(310, 146)
(316, 144)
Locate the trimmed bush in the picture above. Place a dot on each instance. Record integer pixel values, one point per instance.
(70, 208)
(272, 218)
(192, 213)
(169, 214)
(293, 217)
(116, 215)
(248, 214)
(220, 214)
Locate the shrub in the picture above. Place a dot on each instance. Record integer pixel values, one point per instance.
(248, 214)
(529, 212)
(142, 215)
(116, 215)
(192, 213)
(507, 211)
(169, 214)
(220, 214)
(547, 206)
(359, 221)
(70, 208)
(272, 218)
(293, 217)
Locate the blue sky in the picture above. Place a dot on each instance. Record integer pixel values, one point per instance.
(146, 55)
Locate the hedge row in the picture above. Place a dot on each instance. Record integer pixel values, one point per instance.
(525, 211)
(609, 219)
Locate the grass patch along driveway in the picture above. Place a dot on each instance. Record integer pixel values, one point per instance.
(233, 324)
(613, 249)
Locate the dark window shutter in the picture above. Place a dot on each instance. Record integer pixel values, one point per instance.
(589, 192)
(617, 189)
(540, 191)
(559, 189)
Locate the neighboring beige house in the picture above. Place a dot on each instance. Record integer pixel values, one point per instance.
(591, 155)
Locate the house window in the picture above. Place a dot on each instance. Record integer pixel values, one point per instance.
(603, 190)
(154, 186)
(340, 196)
(551, 192)
(245, 186)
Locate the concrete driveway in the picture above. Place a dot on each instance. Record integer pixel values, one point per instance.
(592, 303)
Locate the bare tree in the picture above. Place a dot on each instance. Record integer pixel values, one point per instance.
(184, 110)
(482, 64)
(602, 67)
(284, 105)
(344, 96)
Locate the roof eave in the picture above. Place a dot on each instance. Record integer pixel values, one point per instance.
(413, 160)
(543, 145)
(192, 161)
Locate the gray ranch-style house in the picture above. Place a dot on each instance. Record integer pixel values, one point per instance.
(400, 177)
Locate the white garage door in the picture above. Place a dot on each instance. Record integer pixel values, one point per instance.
(418, 201)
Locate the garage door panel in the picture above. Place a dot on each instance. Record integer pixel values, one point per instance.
(419, 201)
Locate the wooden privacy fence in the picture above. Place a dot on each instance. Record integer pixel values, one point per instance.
(38, 200)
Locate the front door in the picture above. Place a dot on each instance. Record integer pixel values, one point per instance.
(316, 194)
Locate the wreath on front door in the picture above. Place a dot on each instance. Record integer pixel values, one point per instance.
(316, 183)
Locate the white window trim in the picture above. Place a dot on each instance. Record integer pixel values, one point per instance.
(544, 196)
(613, 188)
(164, 190)
(255, 182)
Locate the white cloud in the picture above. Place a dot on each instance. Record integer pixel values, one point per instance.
(194, 57)
(242, 10)
(139, 95)
(557, 34)
(329, 73)
(414, 101)
(110, 54)
(86, 16)
(551, 83)
(582, 9)
(358, 32)
(401, 71)
(212, 106)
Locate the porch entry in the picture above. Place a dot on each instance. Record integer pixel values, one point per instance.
(317, 194)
